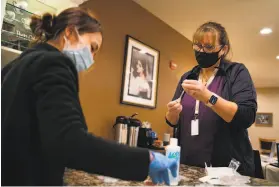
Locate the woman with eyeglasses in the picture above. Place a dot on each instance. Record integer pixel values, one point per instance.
(214, 105)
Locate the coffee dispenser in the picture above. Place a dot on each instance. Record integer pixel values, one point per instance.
(126, 130)
(121, 129)
(133, 131)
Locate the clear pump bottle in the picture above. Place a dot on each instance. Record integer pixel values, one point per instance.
(173, 151)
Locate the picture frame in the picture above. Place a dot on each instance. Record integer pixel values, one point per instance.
(264, 119)
(140, 74)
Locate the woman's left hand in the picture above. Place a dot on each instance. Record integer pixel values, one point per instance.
(196, 90)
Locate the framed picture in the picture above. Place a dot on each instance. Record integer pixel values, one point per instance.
(140, 74)
(264, 119)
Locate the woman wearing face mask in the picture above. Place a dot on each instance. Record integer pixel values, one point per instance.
(43, 127)
(213, 105)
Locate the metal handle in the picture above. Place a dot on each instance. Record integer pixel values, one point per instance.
(135, 114)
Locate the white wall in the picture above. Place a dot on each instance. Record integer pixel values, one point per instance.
(3, 6)
(268, 101)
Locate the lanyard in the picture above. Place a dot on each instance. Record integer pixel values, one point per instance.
(197, 107)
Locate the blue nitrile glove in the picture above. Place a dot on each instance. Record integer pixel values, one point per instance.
(159, 166)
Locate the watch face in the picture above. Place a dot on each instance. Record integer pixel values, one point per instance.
(213, 99)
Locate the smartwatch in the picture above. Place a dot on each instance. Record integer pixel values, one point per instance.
(212, 101)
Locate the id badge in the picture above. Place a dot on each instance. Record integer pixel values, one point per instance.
(195, 127)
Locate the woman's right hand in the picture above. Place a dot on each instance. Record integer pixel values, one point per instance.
(174, 107)
(159, 167)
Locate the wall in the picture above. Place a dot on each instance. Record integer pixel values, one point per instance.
(35, 6)
(100, 88)
(3, 6)
(268, 101)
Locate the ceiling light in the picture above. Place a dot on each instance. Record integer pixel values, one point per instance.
(266, 31)
(277, 57)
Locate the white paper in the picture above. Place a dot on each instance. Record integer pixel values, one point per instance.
(220, 171)
(224, 176)
(210, 180)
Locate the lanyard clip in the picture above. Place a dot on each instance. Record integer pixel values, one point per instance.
(196, 116)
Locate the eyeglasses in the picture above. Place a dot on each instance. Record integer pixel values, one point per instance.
(206, 48)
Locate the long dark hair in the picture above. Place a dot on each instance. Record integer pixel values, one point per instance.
(48, 26)
(143, 64)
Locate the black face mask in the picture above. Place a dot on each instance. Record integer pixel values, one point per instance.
(206, 60)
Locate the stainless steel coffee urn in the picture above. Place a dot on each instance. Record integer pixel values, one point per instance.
(133, 132)
(121, 129)
(127, 130)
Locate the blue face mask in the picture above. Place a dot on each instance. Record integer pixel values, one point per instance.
(81, 56)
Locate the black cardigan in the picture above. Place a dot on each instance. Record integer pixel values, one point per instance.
(44, 129)
(232, 139)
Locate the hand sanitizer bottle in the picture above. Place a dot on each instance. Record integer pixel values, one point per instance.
(173, 151)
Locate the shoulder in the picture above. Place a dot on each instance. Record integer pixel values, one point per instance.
(236, 68)
(233, 66)
(57, 59)
(51, 68)
(238, 73)
(52, 61)
(6, 69)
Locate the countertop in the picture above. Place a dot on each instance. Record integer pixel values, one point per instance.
(191, 177)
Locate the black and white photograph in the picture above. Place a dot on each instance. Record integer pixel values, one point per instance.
(141, 74)
(139, 86)
(264, 119)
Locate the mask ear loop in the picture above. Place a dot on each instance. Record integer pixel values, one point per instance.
(80, 40)
(221, 57)
(66, 45)
(225, 53)
(67, 42)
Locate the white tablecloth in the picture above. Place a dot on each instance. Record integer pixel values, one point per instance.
(271, 173)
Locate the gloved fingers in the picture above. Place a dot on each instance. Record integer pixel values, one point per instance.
(154, 177)
(161, 178)
(166, 177)
(173, 168)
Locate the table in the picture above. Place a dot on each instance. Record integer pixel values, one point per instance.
(271, 173)
(191, 177)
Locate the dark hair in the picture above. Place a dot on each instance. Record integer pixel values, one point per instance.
(48, 26)
(214, 28)
(143, 64)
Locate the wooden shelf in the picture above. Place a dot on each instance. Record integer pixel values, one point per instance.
(8, 55)
(10, 50)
